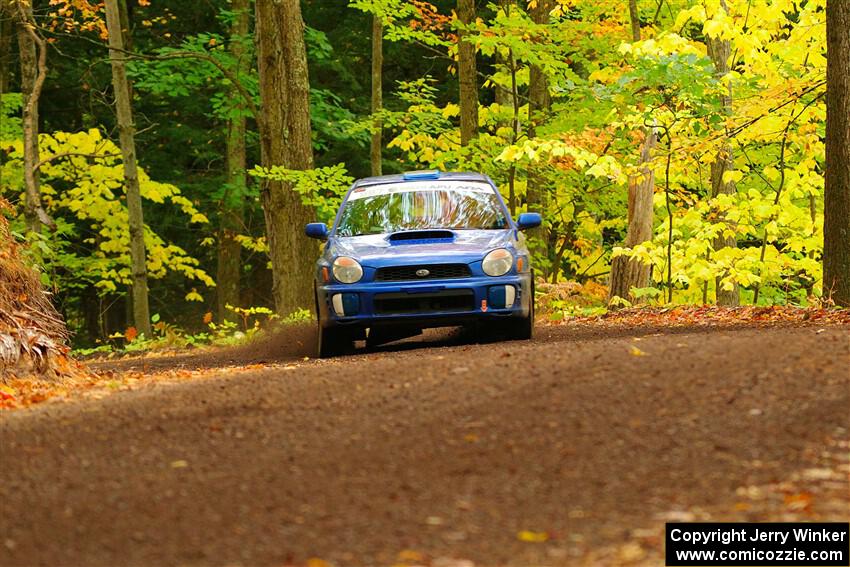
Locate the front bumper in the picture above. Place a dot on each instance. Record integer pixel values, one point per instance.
(433, 303)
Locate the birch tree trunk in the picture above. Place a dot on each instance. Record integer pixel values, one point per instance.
(836, 229)
(285, 140)
(628, 273)
(127, 136)
(467, 75)
(377, 92)
(232, 218)
(720, 51)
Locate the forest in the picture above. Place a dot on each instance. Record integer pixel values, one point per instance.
(160, 158)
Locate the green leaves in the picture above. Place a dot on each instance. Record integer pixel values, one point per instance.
(82, 188)
(321, 188)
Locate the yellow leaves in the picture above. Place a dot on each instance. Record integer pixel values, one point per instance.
(771, 173)
(7, 393)
(259, 245)
(605, 75)
(92, 188)
(733, 176)
(451, 110)
(511, 153)
(607, 167)
(720, 27)
(635, 351)
(665, 44)
(404, 141)
(194, 296)
(631, 552)
(694, 14)
(532, 537)
(411, 556)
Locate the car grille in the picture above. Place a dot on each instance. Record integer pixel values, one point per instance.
(435, 272)
(409, 303)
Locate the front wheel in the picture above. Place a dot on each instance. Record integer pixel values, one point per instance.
(523, 330)
(331, 341)
(334, 342)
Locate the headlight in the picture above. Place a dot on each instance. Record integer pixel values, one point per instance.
(498, 262)
(347, 270)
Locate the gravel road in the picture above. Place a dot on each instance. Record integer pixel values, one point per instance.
(570, 449)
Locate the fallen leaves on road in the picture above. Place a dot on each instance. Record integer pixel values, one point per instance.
(817, 493)
(532, 537)
(22, 393)
(711, 315)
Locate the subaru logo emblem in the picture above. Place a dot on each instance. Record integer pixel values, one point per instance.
(422, 273)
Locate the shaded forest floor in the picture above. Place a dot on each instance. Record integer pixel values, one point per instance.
(572, 449)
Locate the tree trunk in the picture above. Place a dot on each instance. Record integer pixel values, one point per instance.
(628, 273)
(720, 50)
(232, 216)
(539, 104)
(33, 55)
(5, 46)
(377, 91)
(285, 140)
(836, 225)
(634, 15)
(127, 135)
(467, 75)
(6, 31)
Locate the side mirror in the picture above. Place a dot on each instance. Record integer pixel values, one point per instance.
(528, 220)
(317, 230)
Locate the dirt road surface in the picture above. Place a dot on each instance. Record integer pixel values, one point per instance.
(572, 449)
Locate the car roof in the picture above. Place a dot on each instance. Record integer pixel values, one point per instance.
(399, 178)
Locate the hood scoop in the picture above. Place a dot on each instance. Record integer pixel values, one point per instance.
(420, 236)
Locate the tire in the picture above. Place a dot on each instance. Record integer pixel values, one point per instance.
(331, 341)
(523, 329)
(334, 342)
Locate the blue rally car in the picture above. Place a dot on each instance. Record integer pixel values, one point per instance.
(419, 250)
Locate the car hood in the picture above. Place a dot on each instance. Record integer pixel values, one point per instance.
(376, 249)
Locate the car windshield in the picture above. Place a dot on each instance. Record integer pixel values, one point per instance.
(419, 205)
